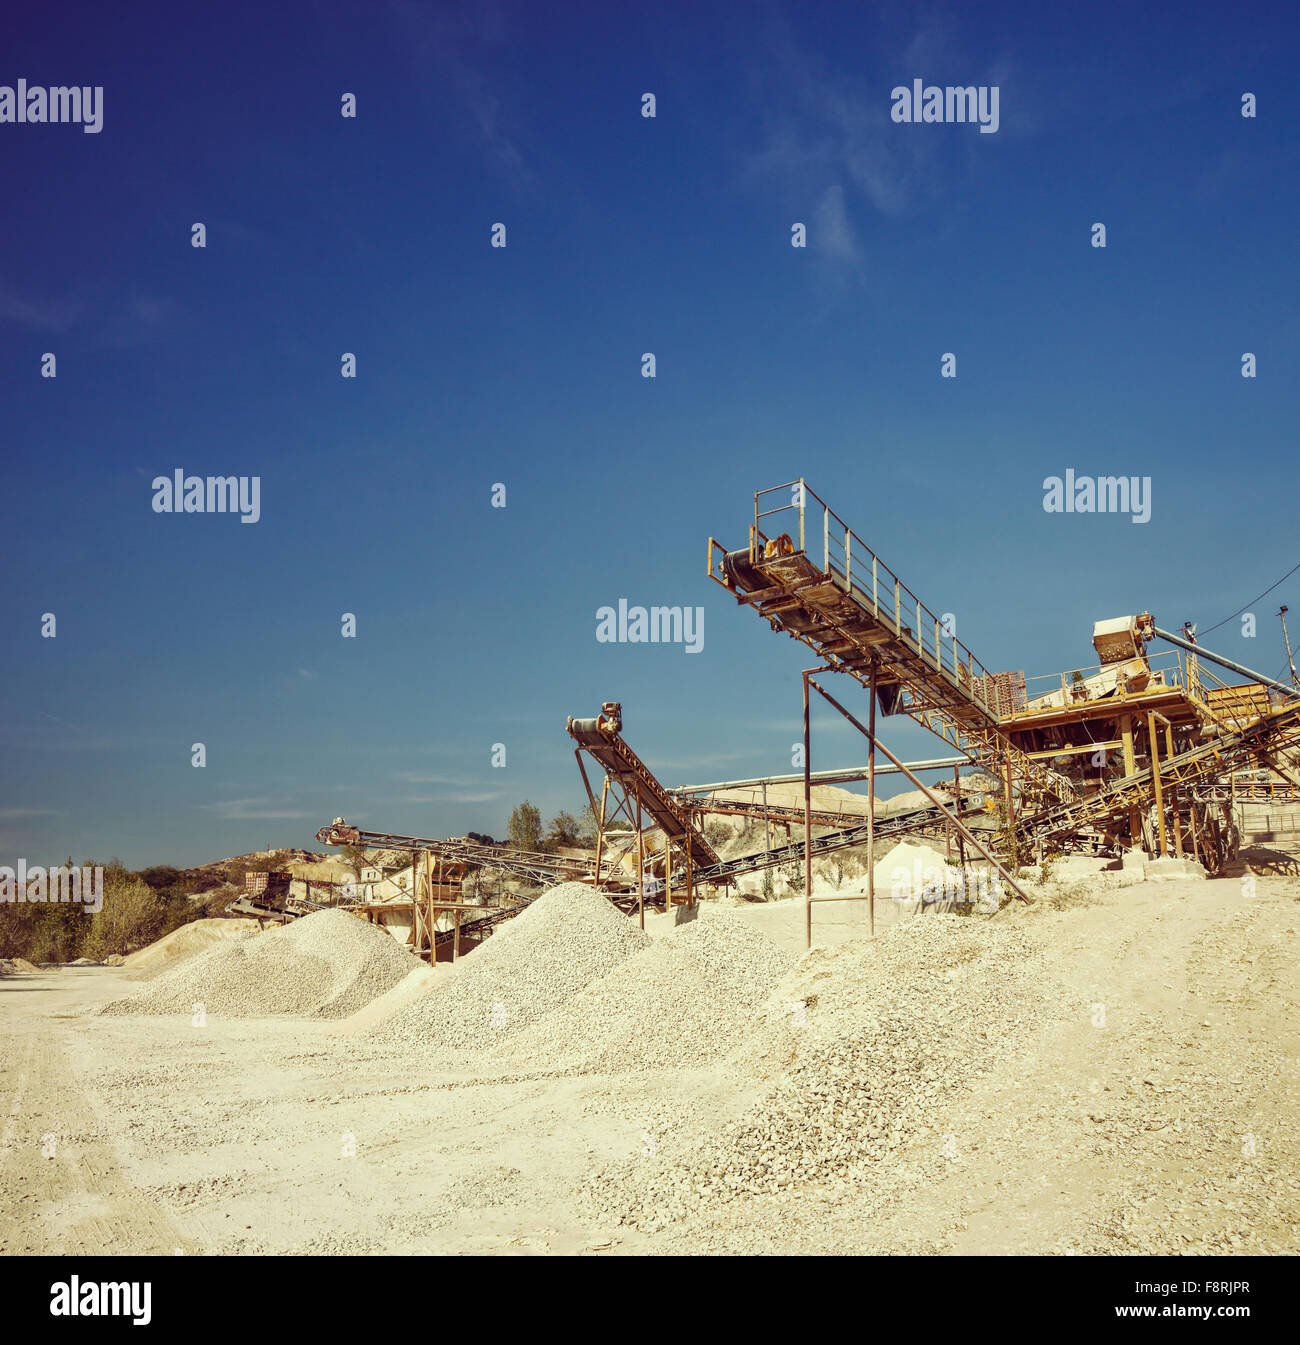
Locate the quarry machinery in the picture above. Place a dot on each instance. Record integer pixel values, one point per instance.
(823, 586)
(643, 801)
(534, 866)
(635, 792)
(1127, 752)
(639, 792)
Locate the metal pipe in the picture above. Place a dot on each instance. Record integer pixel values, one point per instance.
(1201, 652)
(824, 777)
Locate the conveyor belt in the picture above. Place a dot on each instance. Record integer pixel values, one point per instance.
(534, 865)
(602, 739)
(777, 813)
(836, 597)
(916, 819)
(1199, 767)
(479, 925)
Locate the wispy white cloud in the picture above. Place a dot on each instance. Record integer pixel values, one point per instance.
(119, 318)
(826, 136)
(484, 797)
(48, 733)
(243, 810)
(459, 45)
(833, 232)
(45, 314)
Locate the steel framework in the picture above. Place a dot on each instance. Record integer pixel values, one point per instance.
(855, 613)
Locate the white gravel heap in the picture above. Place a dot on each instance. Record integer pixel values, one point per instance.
(679, 1004)
(195, 937)
(566, 939)
(325, 965)
(863, 1044)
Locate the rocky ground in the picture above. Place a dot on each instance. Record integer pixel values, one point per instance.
(1110, 1071)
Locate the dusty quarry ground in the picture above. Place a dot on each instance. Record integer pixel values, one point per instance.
(1134, 1090)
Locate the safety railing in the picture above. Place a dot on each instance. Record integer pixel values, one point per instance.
(1229, 702)
(817, 531)
(1166, 668)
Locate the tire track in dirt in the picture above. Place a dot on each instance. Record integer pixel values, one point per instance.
(62, 1189)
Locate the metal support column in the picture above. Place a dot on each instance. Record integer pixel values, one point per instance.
(1173, 795)
(640, 863)
(930, 794)
(1130, 768)
(807, 815)
(1153, 740)
(600, 830)
(956, 794)
(871, 802)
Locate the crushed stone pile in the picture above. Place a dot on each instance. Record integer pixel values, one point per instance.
(908, 870)
(679, 1004)
(860, 1048)
(190, 938)
(326, 965)
(567, 938)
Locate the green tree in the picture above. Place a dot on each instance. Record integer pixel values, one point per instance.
(161, 877)
(356, 858)
(564, 830)
(588, 826)
(524, 831)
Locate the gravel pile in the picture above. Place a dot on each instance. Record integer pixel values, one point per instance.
(326, 965)
(862, 1046)
(194, 937)
(679, 1004)
(567, 938)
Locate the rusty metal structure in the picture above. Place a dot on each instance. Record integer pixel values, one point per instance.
(1138, 749)
(635, 793)
(647, 807)
(822, 585)
(1149, 749)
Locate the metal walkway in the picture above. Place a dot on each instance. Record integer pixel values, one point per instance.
(822, 585)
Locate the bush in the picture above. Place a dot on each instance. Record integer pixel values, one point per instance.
(161, 877)
(716, 832)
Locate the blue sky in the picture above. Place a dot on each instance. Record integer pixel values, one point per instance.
(522, 365)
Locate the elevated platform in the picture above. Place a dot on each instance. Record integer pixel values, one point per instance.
(822, 585)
